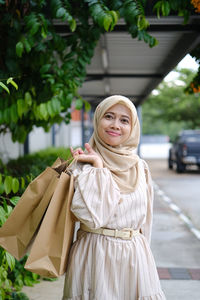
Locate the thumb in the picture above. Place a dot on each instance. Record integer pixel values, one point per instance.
(89, 148)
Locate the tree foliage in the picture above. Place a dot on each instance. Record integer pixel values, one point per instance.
(169, 109)
(14, 177)
(12, 274)
(50, 67)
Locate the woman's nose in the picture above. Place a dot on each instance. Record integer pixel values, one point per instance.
(115, 124)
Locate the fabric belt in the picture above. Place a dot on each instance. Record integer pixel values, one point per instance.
(125, 233)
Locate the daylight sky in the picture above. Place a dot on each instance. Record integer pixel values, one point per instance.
(187, 62)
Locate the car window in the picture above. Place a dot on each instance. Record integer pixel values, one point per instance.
(192, 139)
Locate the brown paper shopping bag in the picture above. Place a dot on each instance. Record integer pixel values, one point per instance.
(20, 227)
(50, 250)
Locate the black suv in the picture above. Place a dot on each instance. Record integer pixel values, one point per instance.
(185, 150)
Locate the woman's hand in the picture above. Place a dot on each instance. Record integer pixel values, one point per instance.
(91, 157)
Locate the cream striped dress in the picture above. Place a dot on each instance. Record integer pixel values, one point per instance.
(108, 268)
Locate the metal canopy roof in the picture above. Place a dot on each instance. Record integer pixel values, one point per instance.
(126, 66)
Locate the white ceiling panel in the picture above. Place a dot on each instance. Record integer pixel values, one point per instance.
(123, 65)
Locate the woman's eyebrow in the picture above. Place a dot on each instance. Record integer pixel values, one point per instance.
(124, 116)
(110, 112)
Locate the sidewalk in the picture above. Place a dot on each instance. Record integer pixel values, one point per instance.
(176, 251)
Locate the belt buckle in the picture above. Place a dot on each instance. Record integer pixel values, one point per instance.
(131, 232)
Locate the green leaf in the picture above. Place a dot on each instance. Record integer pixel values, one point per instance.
(43, 111)
(1, 117)
(27, 45)
(8, 184)
(56, 105)
(2, 189)
(14, 200)
(78, 104)
(33, 91)
(7, 116)
(87, 105)
(10, 260)
(4, 87)
(45, 68)
(157, 7)
(15, 185)
(142, 23)
(153, 42)
(20, 107)
(107, 21)
(22, 182)
(0, 179)
(19, 49)
(50, 109)
(35, 276)
(28, 98)
(43, 32)
(165, 8)
(34, 28)
(91, 2)
(81, 62)
(20, 104)
(60, 12)
(13, 113)
(21, 133)
(3, 215)
(114, 15)
(73, 25)
(11, 81)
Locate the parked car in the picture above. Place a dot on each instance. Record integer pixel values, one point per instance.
(185, 150)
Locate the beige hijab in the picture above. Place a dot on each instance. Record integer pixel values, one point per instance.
(120, 160)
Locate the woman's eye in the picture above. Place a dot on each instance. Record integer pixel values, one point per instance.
(108, 117)
(125, 121)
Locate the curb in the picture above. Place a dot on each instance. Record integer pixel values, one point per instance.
(177, 210)
(178, 274)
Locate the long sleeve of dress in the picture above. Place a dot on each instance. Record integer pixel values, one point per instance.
(147, 227)
(96, 196)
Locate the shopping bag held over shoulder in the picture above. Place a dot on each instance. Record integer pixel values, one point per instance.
(50, 251)
(19, 229)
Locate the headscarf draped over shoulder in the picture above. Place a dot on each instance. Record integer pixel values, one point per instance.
(121, 160)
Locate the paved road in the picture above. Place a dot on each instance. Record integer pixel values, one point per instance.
(175, 248)
(183, 189)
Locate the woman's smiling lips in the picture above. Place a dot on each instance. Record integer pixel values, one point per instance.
(113, 133)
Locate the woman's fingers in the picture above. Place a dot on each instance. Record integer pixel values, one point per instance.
(90, 157)
(76, 151)
(85, 158)
(80, 150)
(71, 150)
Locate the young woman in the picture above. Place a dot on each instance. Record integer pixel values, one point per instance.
(111, 258)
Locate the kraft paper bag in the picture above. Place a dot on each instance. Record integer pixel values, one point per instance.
(50, 250)
(19, 229)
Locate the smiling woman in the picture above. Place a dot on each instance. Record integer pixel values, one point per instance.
(111, 258)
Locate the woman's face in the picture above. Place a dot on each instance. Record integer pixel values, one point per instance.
(115, 126)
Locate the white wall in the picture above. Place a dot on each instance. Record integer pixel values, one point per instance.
(39, 139)
(154, 150)
(68, 134)
(65, 135)
(8, 149)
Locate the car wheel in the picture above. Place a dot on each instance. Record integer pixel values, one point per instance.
(170, 163)
(180, 167)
